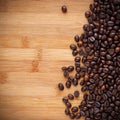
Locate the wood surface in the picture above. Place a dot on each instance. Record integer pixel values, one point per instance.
(34, 44)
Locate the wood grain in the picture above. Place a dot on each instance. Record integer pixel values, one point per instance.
(34, 44)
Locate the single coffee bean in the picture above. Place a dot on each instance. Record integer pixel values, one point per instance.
(78, 69)
(67, 111)
(72, 115)
(68, 105)
(70, 79)
(66, 74)
(64, 9)
(74, 109)
(77, 59)
(68, 84)
(75, 52)
(65, 100)
(76, 93)
(78, 115)
(60, 86)
(70, 97)
(70, 68)
(87, 14)
(64, 68)
(73, 47)
(76, 38)
(75, 82)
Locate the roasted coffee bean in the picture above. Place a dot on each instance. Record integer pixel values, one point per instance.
(76, 93)
(75, 52)
(66, 74)
(75, 82)
(76, 38)
(70, 97)
(64, 9)
(68, 105)
(78, 115)
(78, 69)
(70, 68)
(70, 79)
(67, 111)
(73, 47)
(74, 109)
(65, 100)
(64, 68)
(77, 76)
(60, 86)
(72, 115)
(77, 59)
(87, 14)
(68, 84)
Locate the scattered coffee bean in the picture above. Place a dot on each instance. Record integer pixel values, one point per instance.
(65, 100)
(67, 111)
(74, 109)
(73, 47)
(76, 38)
(70, 97)
(70, 68)
(60, 86)
(76, 93)
(72, 115)
(68, 84)
(64, 9)
(68, 104)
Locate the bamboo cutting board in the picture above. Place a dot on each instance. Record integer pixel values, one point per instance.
(34, 44)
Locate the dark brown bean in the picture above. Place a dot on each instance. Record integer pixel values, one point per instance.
(64, 9)
(72, 115)
(68, 105)
(65, 100)
(67, 111)
(73, 47)
(76, 38)
(70, 97)
(74, 109)
(76, 93)
(60, 86)
(68, 84)
(70, 68)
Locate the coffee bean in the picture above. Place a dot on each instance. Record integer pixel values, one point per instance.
(70, 79)
(65, 100)
(75, 52)
(75, 82)
(68, 84)
(67, 111)
(64, 9)
(70, 68)
(76, 38)
(60, 86)
(66, 74)
(74, 109)
(77, 59)
(72, 115)
(70, 97)
(64, 68)
(76, 93)
(78, 69)
(68, 105)
(73, 47)
(78, 115)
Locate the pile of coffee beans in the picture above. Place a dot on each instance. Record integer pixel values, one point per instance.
(98, 49)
